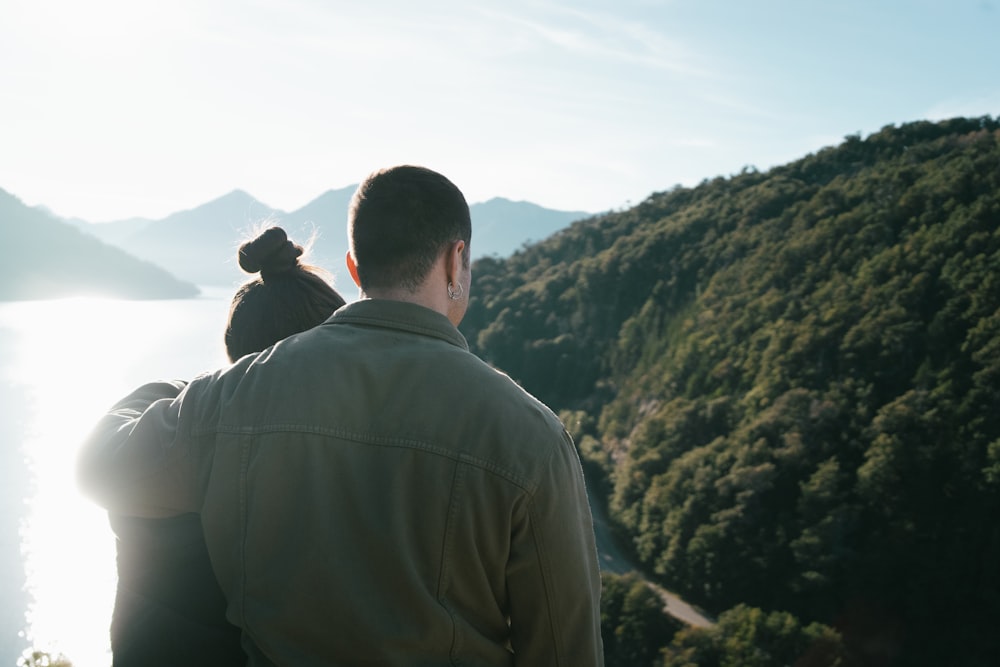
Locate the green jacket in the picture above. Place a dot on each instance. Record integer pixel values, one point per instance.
(372, 494)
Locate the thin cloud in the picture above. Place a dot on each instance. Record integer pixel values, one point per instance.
(985, 105)
(634, 41)
(604, 38)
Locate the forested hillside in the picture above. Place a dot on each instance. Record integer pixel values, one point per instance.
(788, 384)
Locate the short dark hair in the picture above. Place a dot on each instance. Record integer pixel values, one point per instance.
(286, 298)
(400, 220)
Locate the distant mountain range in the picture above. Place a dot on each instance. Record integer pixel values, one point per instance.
(200, 244)
(45, 257)
(166, 258)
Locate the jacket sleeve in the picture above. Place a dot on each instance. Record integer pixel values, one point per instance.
(553, 577)
(135, 462)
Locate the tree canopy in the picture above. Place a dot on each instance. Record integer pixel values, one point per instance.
(791, 379)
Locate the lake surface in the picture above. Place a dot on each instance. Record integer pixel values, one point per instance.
(62, 364)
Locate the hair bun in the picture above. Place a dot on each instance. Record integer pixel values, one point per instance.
(271, 252)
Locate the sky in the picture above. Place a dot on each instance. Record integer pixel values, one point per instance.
(112, 109)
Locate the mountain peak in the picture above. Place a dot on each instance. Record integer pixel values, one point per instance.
(235, 196)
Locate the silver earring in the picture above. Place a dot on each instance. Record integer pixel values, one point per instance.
(455, 294)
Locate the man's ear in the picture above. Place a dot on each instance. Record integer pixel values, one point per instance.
(353, 269)
(456, 260)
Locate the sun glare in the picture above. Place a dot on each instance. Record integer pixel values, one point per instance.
(73, 359)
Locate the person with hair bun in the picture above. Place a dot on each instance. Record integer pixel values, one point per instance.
(286, 298)
(169, 609)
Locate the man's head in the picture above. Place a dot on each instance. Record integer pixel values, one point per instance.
(400, 221)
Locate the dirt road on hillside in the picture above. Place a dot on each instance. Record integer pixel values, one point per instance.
(613, 559)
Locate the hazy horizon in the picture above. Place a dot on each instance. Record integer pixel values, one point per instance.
(122, 108)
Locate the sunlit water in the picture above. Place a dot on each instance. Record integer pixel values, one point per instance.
(62, 363)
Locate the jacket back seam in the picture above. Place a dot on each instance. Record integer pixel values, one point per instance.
(378, 440)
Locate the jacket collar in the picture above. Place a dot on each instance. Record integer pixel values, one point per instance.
(401, 316)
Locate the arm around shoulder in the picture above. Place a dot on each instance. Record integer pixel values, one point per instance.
(123, 463)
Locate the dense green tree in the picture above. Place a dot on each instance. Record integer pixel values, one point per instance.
(748, 637)
(634, 626)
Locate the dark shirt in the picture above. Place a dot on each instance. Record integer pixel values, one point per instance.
(169, 609)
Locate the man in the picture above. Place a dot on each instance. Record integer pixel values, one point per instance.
(371, 492)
